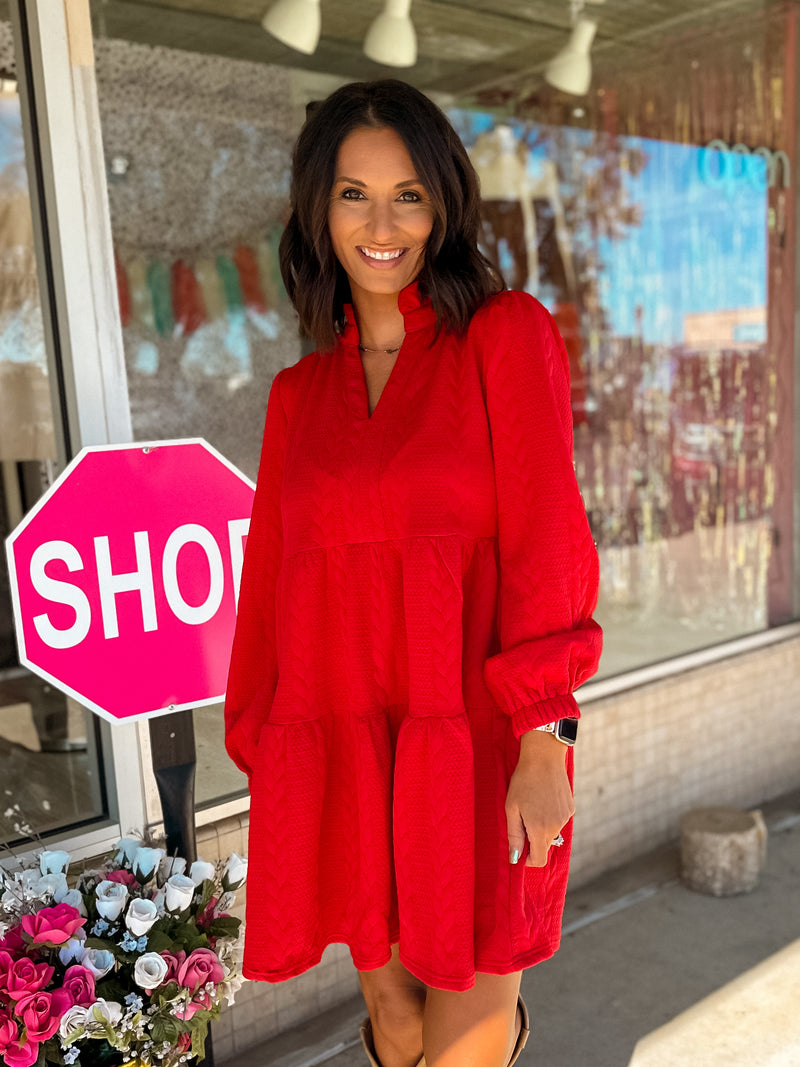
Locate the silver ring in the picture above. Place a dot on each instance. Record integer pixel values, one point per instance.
(558, 841)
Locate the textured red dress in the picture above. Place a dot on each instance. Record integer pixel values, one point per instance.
(416, 594)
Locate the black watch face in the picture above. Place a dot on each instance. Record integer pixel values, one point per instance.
(567, 730)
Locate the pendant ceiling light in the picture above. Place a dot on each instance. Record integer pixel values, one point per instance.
(391, 38)
(295, 23)
(570, 70)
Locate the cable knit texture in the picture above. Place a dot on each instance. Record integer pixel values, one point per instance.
(417, 593)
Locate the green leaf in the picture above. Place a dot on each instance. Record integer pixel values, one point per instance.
(165, 1028)
(158, 940)
(207, 892)
(225, 926)
(199, 1034)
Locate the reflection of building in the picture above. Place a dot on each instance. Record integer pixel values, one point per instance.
(684, 450)
(742, 327)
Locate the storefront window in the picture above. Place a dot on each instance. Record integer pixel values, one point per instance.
(49, 768)
(653, 217)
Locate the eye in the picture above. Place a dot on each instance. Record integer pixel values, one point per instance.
(409, 196)
(351, 194)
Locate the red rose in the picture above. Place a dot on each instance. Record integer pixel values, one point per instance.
(124, 877)
(200, 967)
(79, 984)
(25, 977)
(14, 1053)
(174, 963)
(53, 926)
(41, 1013)
(13, 942)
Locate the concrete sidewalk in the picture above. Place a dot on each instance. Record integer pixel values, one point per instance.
(649, 974)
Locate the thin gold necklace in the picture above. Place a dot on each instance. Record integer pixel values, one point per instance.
(388, 351)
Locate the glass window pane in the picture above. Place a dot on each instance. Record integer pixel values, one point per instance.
(663, 257)
(49, 767)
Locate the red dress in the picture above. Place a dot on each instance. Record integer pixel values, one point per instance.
(416, 594)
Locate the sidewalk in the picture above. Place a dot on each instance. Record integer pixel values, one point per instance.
(639, 950)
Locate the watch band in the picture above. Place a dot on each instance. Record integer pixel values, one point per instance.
(566, 730)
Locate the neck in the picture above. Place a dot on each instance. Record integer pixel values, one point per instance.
(379, 319)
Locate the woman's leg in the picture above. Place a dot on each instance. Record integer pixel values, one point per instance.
(476, 1028)
(396, 1003)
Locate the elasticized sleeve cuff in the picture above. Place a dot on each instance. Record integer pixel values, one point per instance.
(544, 711)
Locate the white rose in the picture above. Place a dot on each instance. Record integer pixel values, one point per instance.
(172, 865)
(75, 1016)
(180, 892)
(54, 862)
(200, 870)
(227, 990)
(235, 872)
(72, 952)
(111, 897)
(146, 861)
(127, 847)
(52, 885)
(74, 898)
(140, 916)
(98, 960)
(150, 970)
(109, 1010)
(160, 901)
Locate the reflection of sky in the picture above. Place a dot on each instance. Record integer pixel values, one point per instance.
(702, 242)
(702, 245)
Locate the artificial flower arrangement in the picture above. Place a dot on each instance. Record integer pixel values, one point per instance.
(130, 966)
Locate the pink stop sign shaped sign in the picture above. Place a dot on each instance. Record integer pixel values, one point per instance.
(125, 577)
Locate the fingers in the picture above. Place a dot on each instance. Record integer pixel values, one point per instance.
(516, 836)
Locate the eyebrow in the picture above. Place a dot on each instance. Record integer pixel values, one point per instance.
(400, 185)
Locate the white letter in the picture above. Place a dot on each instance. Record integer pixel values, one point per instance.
(191, 531)
(237, 531)
(60, 593)
(111, 584)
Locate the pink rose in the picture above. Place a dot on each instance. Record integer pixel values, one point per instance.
(13, 1052)
(25, 977)
(123, 877)
(53, 926)
(79, 984)
(199, 1002)
(199, 967)
(13, 941)
(41, 1013)
(174, 963)
(6, 963)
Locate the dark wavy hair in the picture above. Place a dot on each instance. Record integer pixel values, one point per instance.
(456, 275)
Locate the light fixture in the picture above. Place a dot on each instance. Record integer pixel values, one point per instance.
(570, 70)
(295, 23)
(391, 38)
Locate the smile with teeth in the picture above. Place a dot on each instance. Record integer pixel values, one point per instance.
(372, 254)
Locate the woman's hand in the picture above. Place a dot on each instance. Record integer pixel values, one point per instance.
(539, 801)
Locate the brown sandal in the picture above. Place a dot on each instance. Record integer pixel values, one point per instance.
(522, 1037)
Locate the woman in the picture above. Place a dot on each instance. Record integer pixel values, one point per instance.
(415, 601)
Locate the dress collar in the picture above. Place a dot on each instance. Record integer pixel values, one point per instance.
(417, 313)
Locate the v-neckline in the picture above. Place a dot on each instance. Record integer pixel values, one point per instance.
(386, 384)
(419, 316)
(359, 392)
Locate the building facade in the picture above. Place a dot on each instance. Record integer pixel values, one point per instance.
(144, 165)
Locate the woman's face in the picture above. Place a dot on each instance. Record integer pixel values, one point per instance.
(380, 215)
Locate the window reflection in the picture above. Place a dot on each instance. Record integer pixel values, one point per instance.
(48, 758)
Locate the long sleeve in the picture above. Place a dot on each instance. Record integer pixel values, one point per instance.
(253, 673)
(549, 570)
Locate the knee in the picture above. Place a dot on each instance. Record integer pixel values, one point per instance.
(396, 1012)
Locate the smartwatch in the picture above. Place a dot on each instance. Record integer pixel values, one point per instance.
(566, 730)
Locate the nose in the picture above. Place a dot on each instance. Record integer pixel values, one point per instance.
(381, 221)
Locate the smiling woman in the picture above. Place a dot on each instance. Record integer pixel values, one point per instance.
(409, 770)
